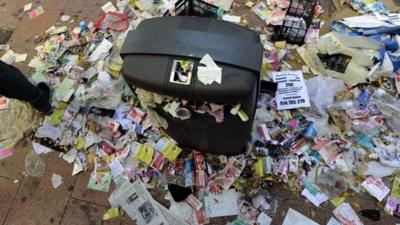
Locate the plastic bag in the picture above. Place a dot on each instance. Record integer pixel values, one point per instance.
(322, 91)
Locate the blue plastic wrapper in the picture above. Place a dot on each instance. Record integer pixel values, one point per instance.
(188, 172)
(310, 131)
(363, 99)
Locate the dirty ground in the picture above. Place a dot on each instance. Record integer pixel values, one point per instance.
(27, 199)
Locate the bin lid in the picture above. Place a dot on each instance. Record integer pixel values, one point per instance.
(152, 51)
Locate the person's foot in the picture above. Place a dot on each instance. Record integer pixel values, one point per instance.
(46, 91)
(44, 88)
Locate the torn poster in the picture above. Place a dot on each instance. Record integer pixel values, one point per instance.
(229, 174)
(388, 156)
(101, 51)
(261, 10)
(224, 204)
(317, 199)
(292, 91)
(346, 215)
(65, 90)
(376, 187)
(295, 218)
(100, 181)
(137, 202)
(328, 150)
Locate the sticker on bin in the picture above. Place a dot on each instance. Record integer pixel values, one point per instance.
(182, 71)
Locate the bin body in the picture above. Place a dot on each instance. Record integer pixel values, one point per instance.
(150, 51)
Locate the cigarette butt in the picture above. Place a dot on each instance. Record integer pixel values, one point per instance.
(235, 109)
(243, 116)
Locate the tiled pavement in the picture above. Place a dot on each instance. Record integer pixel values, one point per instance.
(33, 201)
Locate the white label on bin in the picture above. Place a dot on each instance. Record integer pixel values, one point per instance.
(182, 71)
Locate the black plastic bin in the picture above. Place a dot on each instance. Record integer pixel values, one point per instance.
(149, 53)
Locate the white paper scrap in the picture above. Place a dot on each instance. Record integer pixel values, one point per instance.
(108, 7)
(116, 168)
(292, 91)
(65, 18)
(40, 149)
(224, 204)
(230, 18)
(210, 72)
(295, 218)
(77, 169)
(70, 156)
(264, 219)
(56, 180)
(20, 57)
(224, 4)
(8, 57)
(4, 47)
(376, 187)
(27, 7)
(101, 51)
(35, 62)
(346, 215)
(316, 199)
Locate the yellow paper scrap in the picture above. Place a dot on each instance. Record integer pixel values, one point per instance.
(145, 153)
(111, 213)
(337, 201)
(396, 188)
(56, 116)
(80, 144)
(171, 152)
(260, 166)
(369, 2)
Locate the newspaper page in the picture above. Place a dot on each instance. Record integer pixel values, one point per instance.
(138, 203)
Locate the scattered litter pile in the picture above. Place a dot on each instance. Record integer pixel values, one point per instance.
(325, 136)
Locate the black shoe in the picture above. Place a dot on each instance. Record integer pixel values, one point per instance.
(44, 88)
